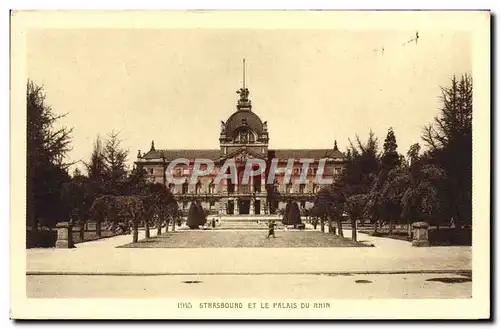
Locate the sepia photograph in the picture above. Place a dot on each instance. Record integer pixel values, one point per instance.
(256, 165)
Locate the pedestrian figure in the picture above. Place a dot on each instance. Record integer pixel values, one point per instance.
(271, 230)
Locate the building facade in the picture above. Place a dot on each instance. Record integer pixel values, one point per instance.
(243, 136)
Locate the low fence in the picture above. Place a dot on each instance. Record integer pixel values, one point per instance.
(46, 238)
(444, 236)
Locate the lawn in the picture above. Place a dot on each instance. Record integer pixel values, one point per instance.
(244, 239)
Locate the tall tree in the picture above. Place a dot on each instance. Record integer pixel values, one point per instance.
(390, 158)
(362, 166)
(382, 200)
(115, 158)
(449, 139)
(96, 168)
(47, 146)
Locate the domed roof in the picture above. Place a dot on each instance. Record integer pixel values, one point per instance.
(244, 118)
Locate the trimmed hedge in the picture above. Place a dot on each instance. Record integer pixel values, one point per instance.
(450, 236)
(196, 216)
(41, 238)
(294, 214)
(285, 221)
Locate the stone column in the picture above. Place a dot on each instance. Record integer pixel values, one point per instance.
(252, 205)
(236, 206)
(420, 234)
(263, 210)
(64, 235)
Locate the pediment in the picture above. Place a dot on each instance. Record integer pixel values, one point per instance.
(242, 154)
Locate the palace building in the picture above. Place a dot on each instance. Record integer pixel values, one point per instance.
(242, 136)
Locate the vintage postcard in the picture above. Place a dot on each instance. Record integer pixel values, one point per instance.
(250, 165)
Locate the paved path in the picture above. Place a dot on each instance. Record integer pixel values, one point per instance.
(260, 287)
(388, 256)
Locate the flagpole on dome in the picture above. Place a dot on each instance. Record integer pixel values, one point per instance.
(243, 73)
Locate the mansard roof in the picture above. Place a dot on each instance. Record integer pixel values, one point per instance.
(215, 154)
(307, 153)
(169, 155)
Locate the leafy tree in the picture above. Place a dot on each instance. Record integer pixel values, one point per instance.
(47, 147)
(163, 204)
(449, 139)
(354, 207)
(424, 187)
(78, 195)
(137, 182)
(329, 203)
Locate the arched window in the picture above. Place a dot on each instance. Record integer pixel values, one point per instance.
(315, 188)
(289, 188)
(185, 187)
(171, 187)
(244, 135)
(198, 187)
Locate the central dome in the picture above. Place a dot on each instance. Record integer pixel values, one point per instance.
(244, 119)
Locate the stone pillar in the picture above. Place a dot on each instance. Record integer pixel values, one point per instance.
(146, 228)
(252, 205)
(82, 232)
(420, 234)
(236, 206)
(263, 210)
(135, 230)
(98, 228)
(64, 235)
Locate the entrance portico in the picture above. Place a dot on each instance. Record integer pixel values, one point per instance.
(245, 206)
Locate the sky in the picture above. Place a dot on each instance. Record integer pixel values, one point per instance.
(174, 86)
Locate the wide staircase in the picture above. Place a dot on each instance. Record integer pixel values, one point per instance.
(244, 222)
